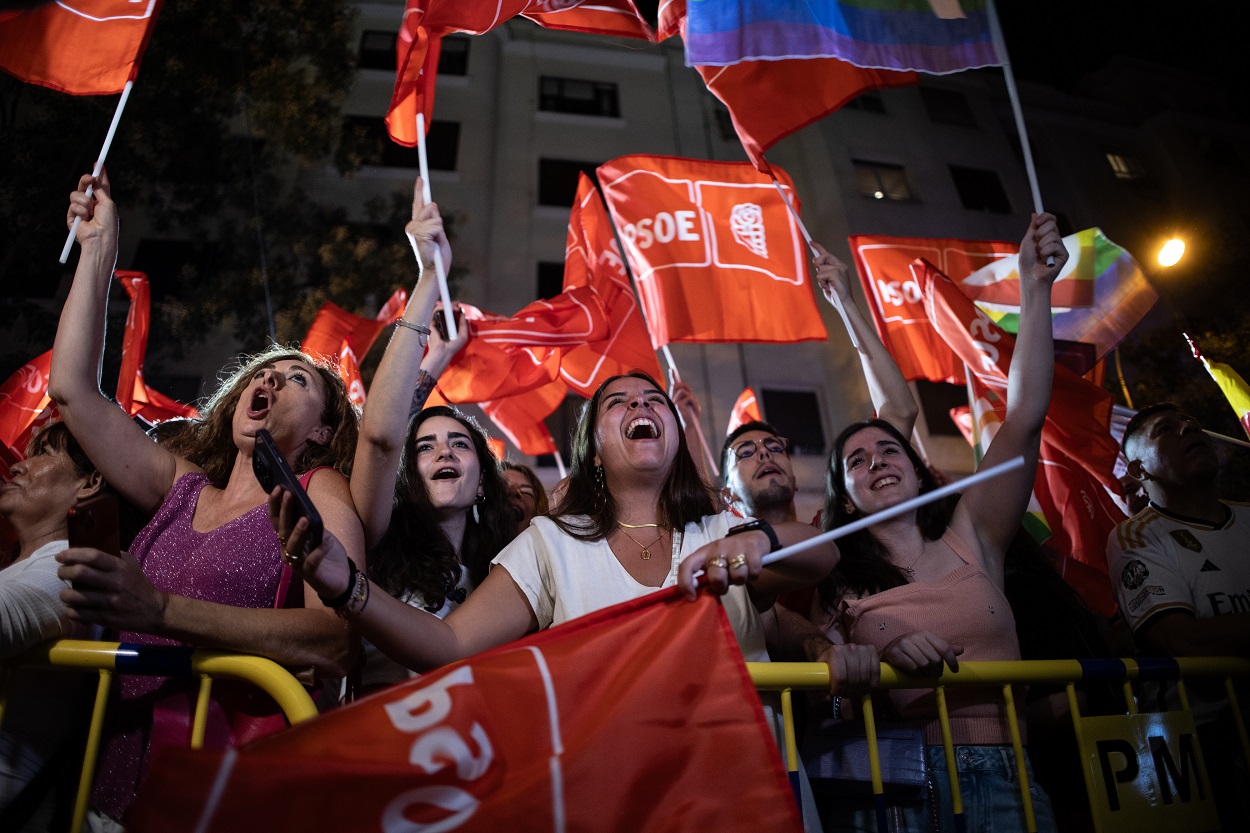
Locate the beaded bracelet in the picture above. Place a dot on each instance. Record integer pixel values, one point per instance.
(359, 598)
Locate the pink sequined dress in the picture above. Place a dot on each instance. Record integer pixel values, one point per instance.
(238, 563)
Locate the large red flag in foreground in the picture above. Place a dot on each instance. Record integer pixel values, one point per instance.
(716, 255)
(592, 258)
(133, 393)
(888, 272)
(638, 717)
(1077, 453)
(23, 398)
(343, 339)
(81, 47)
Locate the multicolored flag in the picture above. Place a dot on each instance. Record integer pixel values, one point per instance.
(80, 47)
(23, 399)
(343, 339)
(1234, 387)
(133, 393)
(1100, 296)
(938, 36)
(1075, 477)
(890, 274)
(638, 717)
(593, 259)
(714, 251)
(746, 409)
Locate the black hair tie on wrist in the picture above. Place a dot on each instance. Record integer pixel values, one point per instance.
(342, 598)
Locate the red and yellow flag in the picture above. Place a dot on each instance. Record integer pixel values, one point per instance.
(638, 717)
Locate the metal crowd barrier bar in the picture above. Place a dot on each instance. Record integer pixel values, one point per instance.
(786, 676)
(108, 658)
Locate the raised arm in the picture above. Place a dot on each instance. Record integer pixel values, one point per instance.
(403, 380)
(137, 467)
(990, 513)
(891, 396)
(690, 409)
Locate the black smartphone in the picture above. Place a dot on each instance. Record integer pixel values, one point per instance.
(272, 470)
(94, 523)
(440, 321)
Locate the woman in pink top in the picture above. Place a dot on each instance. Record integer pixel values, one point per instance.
(926, 588)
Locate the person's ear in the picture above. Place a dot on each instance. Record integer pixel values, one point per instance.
(848, 507)
(91, 486)
(1136, 471)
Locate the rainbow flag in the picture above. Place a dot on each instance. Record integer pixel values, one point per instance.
(1099, 297)
(934, 36)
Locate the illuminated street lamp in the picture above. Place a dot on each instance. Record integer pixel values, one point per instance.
(1171, 252)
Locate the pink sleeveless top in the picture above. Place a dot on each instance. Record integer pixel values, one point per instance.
(965, 608)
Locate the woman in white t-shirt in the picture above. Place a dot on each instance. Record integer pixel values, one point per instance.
(636, 517)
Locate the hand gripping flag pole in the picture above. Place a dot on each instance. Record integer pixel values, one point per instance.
(894, 511)
(99, 165)
(440, 271)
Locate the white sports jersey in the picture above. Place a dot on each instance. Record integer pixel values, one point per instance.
(1161, 562)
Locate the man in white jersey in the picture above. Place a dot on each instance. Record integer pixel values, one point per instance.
(1181, 572)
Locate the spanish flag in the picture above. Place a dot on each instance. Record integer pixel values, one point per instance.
(1230, 381)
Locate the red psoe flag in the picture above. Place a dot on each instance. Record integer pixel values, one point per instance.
(416, 57)
(746, 409)
(888, 273)
(520, 418)
(638, 717)
(592, 259)
(23, 397)
(594, 17)
(716, 255)
(341, 338)
(133, 393)
(81, 47)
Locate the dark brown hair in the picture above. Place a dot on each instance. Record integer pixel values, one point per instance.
(685, 496)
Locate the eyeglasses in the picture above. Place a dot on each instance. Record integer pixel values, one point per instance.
(773, 445)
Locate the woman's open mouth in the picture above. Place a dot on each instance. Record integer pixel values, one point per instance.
(642, 428)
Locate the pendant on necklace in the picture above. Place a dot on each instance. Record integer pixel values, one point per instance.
(911, 574)
(646, 554)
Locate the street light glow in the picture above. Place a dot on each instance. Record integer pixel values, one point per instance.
(1171, 252)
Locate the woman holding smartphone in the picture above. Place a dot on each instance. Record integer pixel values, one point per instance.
(208, 569)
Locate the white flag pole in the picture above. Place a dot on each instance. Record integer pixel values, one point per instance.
(698, 428)
(894, 511)
(1026, 150)
(560, 465)
(440, 271)
(837, 302)
(99, 165)
(1226, 438)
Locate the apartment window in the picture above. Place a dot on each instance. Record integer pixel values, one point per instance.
(1124, 166)
(869, 102)
(377, 50)
(557, 180)
(571, 95)
(366, 136)
(454, 59)
(936, 400)
(947, 107)
(980, 190)
(550, 279)
(796, 414)
(881, 180)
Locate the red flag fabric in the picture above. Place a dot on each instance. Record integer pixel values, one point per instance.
(769, 100)
(670, 15)
(341, 338)
(715, 252)
(416, 57)
(133, 393)
(595, 17)
(746, 409)
(888, 274)
(81, 47)
(520, 418)
(1078, 453)
(23, 398)
(511, 355)
(592, 258)
(638, 717)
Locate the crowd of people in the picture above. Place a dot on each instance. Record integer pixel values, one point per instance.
(432, 550)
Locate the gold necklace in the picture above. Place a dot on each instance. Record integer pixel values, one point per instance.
(646, 548)
(637, 526)
(911, 571)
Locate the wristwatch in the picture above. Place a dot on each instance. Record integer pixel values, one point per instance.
(763, 526)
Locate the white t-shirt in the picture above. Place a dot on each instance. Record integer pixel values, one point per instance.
(564, 578)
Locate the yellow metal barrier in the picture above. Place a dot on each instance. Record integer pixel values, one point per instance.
(1095, 760)
(108, 658)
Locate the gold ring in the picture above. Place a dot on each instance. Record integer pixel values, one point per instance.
(738, 560)
(293, 560)
(715, 561)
